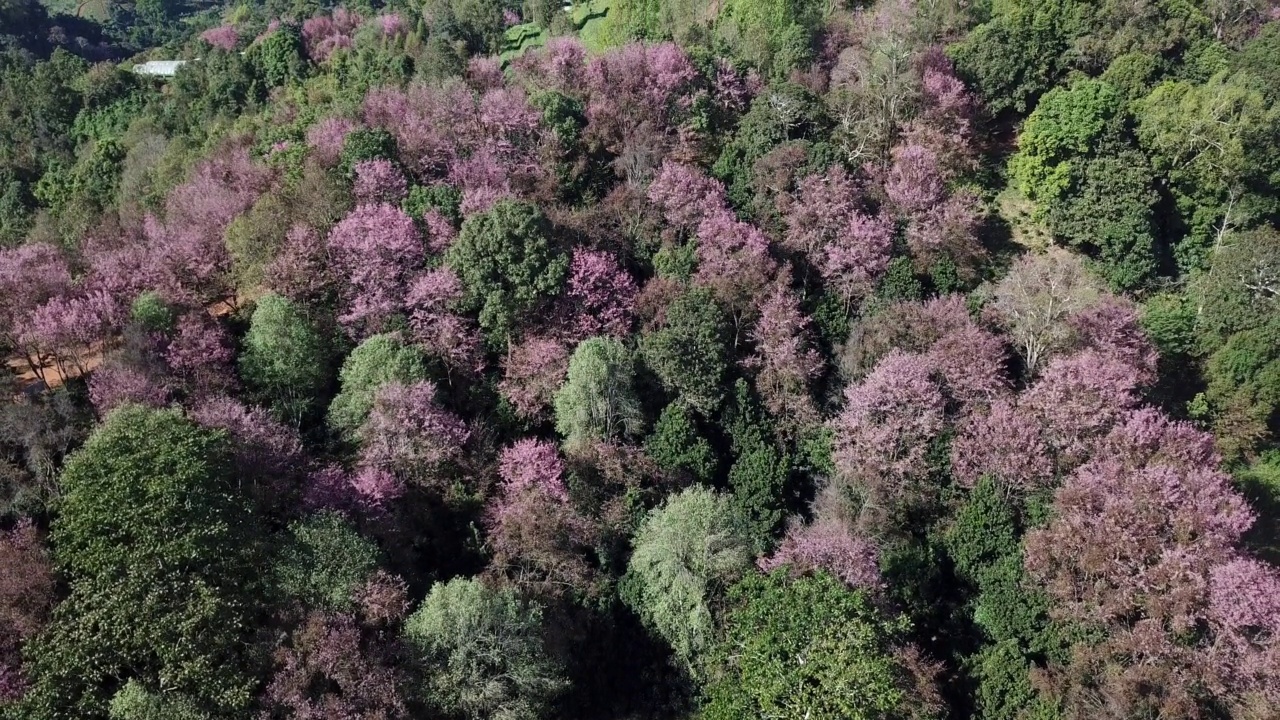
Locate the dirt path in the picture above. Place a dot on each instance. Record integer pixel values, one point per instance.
(54, 376)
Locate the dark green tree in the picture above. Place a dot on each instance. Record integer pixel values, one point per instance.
(509, 264)
(690, 352)
(677, 446)
(159, 547)
(1019, 53)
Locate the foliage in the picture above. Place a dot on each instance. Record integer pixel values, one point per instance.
(135, 702)
(323, 563)
(598, 401)
(508, 264)
(849, 669)
(482, 652)
(380, 360)
(687, 553)
(158, 546)
(688, 352)
(285, 359)
(676, 445)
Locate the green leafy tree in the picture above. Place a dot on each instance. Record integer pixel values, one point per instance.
(285, 359)
(375, 362)
(810, 648)
(598, 400)
(1092, 188)
(1020, 52)
(687, 553)
(1241, 290)
(135, 702)
(677, 446)
(774, 35)
(689, 353)
(482, 652)
(985, 530)
(1260, 57)
(278, 58)
(1110, 212)
(440, 197)
(152, 313)
(1217, 145)
(323, 561)
(254, 239)
(158, 545)
(1243, 392)
(365, 144)
(760, 468)
(984, 542)
(1067, 124)
(509, 265)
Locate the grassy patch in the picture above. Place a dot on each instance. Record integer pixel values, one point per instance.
(520, 38)
(588, 17)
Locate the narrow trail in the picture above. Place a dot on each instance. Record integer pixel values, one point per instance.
(51, 375)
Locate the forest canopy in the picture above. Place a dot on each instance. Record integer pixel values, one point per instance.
(640, 360)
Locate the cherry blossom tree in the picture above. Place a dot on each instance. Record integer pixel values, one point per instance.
(437, 325)
(820, 212)
(1113, 328)
(1143, 539)
(882, 437)
(636, 94)
(188, 254)
(375, 251)
(300, 270)
(223, 37)
(784, 359)
(408, 432)
(200, 352)
(329, 669)
(971, 362)
(535, 369)
(537, 538)
(1006, 444)
(560, 65)
(915, 182)
(391, 25)
(686, 195)
(71, 328)
(323, 34)
(599, 297)
(375, 488)
(1077, 400)
(263, 447)
(857, 257)
(115, 384)
(830, 545)
(26, 597)
(378, 182)
(484, 73)
(733, 262)
(327, 137)
(440, 231)
(30, 276)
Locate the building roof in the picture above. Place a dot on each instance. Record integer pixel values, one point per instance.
(160, 68)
